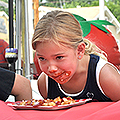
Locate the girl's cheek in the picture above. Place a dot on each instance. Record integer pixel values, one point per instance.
(44, 67)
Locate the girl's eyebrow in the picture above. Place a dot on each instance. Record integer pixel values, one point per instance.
(58, 54)
(52, 55)
(38, 54)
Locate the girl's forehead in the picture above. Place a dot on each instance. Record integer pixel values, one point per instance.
(51, 48)
(51, 44)
(59, 40)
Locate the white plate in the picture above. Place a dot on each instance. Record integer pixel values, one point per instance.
(57, 107)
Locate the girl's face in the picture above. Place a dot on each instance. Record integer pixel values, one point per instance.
(58, 62)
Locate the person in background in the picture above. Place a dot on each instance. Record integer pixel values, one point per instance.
(72, 66)
(3, 46)
(14, 84)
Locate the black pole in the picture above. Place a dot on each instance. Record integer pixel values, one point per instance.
(11, 30)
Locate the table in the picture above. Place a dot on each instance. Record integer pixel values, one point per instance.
(88, 111)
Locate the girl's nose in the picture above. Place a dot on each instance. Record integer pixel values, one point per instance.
(52, 68)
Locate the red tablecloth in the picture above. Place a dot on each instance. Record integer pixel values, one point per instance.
(89, 111)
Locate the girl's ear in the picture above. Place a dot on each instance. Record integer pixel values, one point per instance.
(81, 50)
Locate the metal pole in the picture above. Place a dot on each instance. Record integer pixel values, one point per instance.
(18, 35)
(23, 35)
(11, 30)
(27, 46)
(31, 29)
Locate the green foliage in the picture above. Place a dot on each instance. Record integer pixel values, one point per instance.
(114, 7)
(4, 1)
(95, 3)
(3, 8)
(50, 4)
(6, 10)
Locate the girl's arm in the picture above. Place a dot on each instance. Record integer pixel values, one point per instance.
(42, 85)
(21, 88)
(109, 79)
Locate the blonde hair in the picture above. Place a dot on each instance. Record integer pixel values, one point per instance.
(93, 49)
(62, 28)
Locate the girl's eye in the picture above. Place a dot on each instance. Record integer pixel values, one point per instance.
(41, 59)
(59, 57)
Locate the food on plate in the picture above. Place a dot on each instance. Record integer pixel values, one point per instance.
(47, 102)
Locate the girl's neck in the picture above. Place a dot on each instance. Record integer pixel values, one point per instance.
(78, 81)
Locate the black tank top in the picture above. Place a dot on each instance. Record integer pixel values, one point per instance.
(91, 89)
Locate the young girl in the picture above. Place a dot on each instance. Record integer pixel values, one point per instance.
(70, 65)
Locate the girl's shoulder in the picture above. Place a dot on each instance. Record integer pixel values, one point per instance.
(42, 84)
(108, 79)
(101, 63)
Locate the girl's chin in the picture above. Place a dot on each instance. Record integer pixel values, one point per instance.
(62, 81)
(62, 78)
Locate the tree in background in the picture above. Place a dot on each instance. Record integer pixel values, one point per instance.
(2, 7)
(6, 9)
(114, 7)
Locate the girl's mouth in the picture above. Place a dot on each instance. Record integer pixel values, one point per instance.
(61, 78)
